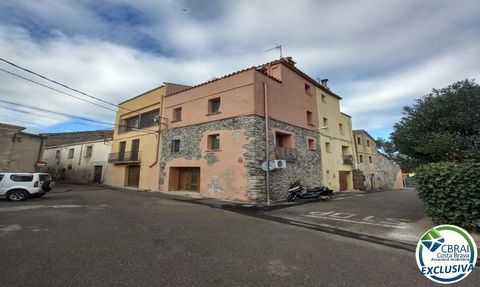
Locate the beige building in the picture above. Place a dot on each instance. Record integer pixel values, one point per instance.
(82, 162)
(379, 171)
(335, 134)
(134, 160)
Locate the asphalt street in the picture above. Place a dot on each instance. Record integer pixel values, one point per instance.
(95, 237)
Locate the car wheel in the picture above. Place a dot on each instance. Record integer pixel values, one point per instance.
(17, 195)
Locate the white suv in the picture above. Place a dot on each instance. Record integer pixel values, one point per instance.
(17, 186)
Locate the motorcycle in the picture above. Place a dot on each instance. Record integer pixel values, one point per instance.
(296, 190)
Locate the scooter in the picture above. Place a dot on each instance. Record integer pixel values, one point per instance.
(296, 190)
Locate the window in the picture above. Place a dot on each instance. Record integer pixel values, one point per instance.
(21, 178)
(311, 144)
(370, 159)
(69, 167)
(57, 154)
(214, 106)
(325, 122)
(309, 118)
(359, 141)
(368, 142)
(1, 176)
(71, 152)
(214, 142)
(130, 124)
(150, 118)
(175, 146)
(283, 140)
(88, 152)
(327, 147)
(340, 128)
(324, 99)
(307, 89)
(177, 114)
(361, 158)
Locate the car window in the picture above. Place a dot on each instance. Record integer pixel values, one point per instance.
(1, 176)
(21, 178)
(44, 177)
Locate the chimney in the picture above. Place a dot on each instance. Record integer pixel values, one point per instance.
(324, 82)
(290, 61)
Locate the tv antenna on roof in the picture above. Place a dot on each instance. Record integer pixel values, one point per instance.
(277, 47)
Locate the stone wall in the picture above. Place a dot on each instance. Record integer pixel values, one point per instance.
(19, 151)
(307, 167)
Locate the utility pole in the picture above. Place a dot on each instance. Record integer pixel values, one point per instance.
(267, 151)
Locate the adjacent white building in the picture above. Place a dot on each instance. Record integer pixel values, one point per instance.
(82, 162)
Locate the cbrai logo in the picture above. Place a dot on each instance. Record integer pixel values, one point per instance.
(446, 254)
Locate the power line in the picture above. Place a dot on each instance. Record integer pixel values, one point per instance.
(53, 89)
(57, 113)
(146, 131)
(63, 85)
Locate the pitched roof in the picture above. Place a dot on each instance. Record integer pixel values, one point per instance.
(54, 139)
(13, 127)
(355, 132)
(286, 61)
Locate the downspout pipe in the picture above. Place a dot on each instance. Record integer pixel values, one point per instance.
(158, 134)
(267, 151)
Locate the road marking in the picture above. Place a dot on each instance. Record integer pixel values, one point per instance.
(9, 228)
(30, 207)
(368, 220)
(348, 196)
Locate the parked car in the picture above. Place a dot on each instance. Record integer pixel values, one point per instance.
(18, 186)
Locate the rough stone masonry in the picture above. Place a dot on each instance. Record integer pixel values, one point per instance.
(306, 167)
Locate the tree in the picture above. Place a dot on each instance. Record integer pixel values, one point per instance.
(442, 126)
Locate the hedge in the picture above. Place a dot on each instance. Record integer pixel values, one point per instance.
(451, 193)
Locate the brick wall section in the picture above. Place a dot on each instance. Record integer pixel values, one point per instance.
(19, 151)
(307, 167)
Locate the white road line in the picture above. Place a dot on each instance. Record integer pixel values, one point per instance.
(354, 221)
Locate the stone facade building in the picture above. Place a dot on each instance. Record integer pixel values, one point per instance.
(79, 157)
(216, 140)
(20, 150)
(379, 171)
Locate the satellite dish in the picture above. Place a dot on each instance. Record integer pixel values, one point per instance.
(266, 166)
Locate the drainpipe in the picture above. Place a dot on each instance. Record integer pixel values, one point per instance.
(158, 134)
(267, 152)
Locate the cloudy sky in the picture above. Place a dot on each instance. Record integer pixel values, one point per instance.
(378, 55)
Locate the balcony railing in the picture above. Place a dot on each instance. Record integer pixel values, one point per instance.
(348, 159)
(288, 154)
(125, 157)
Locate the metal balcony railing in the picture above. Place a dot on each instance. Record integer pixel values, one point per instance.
(126, 157)
(288, 154)
(348, 159)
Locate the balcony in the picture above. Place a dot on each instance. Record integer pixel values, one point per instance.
(124, 158)
(288, 154)
(348, 159)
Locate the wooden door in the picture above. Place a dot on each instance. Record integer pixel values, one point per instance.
(121, 150)
(133, 176)
(135, 148)
(189, 179)
(98, 174)
(343, 179)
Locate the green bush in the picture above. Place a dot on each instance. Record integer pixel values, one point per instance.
(451, 192)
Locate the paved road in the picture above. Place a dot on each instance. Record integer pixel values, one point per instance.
(112, 238)
(395, 215)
